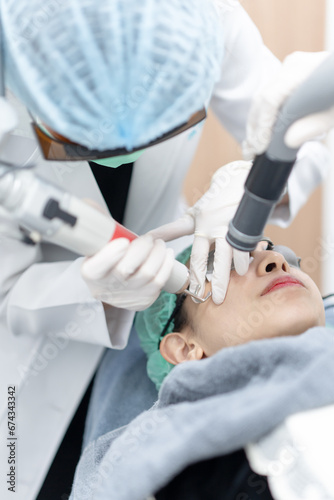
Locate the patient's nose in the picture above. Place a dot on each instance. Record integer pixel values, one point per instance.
(270, 262)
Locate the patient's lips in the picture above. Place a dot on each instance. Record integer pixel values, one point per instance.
(281, 282)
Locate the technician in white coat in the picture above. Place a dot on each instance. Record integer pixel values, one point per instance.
(53, 329)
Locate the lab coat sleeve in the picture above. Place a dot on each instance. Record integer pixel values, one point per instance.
(51, 298)
(247, 66)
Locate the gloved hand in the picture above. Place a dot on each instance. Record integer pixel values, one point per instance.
(129, 275)
(265, 108)
(208, 219)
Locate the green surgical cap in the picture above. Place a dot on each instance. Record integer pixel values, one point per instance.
(150, 324)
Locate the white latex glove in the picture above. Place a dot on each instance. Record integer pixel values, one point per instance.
(129, 275)
(265, 107)
(208, 219)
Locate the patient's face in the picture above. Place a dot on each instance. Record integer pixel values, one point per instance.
(272, 299)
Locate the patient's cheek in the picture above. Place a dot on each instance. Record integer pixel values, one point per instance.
(216, 328)
(316, 300)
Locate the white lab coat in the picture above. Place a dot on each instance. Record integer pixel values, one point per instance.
(52, 331)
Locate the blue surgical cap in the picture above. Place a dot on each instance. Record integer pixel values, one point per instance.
(150, 325)
(112, 73)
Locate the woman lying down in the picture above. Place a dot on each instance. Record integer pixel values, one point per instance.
(229, 374)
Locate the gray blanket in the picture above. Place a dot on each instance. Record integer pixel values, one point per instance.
(209, 408)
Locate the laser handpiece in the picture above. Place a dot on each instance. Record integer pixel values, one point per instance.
(267, 179)
(46, 212)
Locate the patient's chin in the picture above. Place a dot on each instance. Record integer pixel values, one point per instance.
(298, 309)
(299, 321)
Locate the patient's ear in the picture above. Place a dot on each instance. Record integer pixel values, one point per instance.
(176, 348)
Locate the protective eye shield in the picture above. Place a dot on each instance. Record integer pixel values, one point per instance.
(288, 254)
(58, 148)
